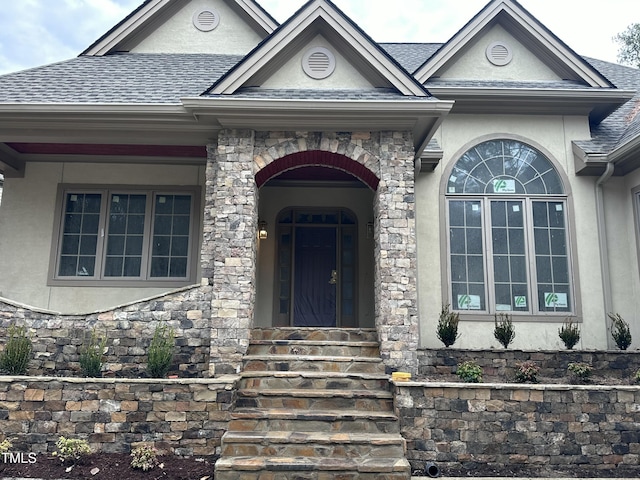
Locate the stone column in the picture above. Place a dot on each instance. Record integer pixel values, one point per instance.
(396, 254)
(229, 247)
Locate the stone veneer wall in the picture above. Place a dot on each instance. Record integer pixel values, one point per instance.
(185, 417)
(129, 329)
(505, 424)
(500, 365)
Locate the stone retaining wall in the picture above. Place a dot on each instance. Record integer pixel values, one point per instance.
(184, 416)
(129, 329)
(507, 424)
(500, 365)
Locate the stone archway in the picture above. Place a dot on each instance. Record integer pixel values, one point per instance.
(240, 160)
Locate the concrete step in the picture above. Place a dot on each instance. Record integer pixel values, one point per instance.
(318, 363)
(370, 400)
(345, 421)
(314, 380)
(320, 468)
(314, 347)
(320, 444)
(317, 334)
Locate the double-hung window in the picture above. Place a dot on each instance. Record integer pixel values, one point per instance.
(116, 235)
(508, 236)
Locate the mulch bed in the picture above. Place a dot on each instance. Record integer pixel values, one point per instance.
(111, 466)
(116, 466)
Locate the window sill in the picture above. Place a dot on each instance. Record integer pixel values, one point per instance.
(559, 317)
(121, 283)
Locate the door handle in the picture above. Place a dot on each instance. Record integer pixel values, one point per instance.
(334, 277)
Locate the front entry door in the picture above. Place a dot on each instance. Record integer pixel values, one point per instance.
(316, 272)
(315, 277)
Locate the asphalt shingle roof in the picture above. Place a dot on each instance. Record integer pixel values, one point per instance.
(119, 78)
(166, 78)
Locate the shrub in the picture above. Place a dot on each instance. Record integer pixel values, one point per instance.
(5, 446)
(17, 351)
(637, 376)
(620, 331)
(91, 355)
(144, 457)
(580, 370)
(504, 330)
(72, 449)
(527, 372)
(569, 333)
(469, 372)
(447, 329)
(161, 351)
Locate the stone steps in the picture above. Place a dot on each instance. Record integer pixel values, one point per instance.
(318, 363)
(346, 421)
(316, 334)
(302, 444)
(314, 347)
(313, 404)
(315, 380)
(370, 400)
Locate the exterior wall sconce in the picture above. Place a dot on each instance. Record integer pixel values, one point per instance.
(262, 230)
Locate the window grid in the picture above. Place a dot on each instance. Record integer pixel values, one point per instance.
(127, 218)
(524, 228)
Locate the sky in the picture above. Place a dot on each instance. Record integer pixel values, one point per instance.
(38, 32)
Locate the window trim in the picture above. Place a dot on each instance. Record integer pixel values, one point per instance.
(106, 190)
(445, 275)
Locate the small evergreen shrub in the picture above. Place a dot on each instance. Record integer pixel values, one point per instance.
(580, 370)
(447, 329)
(17, 351)
(569, 333)
(504, 331)
(71, 449)
(91, 355)
(144, 458)
(637, 376)
(5, 446)
(160, 353)
(469, 372)
(620, 331)
(527, 372)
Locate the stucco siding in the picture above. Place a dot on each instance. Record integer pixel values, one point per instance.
(473, 64)
(552, 135)
(291, 74)
(28, 222)
(178, 34)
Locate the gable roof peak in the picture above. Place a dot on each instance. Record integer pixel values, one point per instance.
(150, 12)
(515, 18)
(320, 17)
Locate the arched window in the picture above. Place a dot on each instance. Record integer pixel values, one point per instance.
(508, 244)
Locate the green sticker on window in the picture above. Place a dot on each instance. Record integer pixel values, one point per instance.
(520, 301)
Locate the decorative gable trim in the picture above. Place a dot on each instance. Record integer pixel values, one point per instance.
(542, 42)
(153, 10)
(319, 16)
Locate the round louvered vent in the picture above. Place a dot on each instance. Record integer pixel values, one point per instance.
(206, 20)
(318, 63)
(499, 54)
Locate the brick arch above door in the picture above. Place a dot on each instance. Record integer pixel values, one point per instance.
(351, 153)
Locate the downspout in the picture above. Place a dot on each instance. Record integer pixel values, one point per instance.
(604, 244)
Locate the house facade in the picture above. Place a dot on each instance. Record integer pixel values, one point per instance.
(303, 175)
